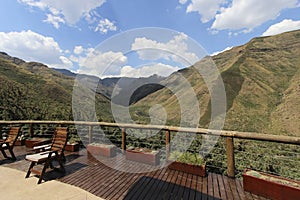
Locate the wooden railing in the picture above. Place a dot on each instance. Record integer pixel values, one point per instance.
(228, 135)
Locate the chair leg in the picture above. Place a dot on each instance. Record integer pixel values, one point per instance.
(46, 165)
(51, 165)
(12, 154)
(60, 162)
(29, 170)
(63, 157)
(4, 154)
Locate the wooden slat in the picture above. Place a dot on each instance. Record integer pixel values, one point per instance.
(187, 190)
(177, 184)
(232, 184)
(36, 171)
(161, 188)
(182, 185)
(167, 182)
(222, 187)
(240, 188)
(205, 188)
(154, 177)
(193, 191)
(169, 188)
(216, 186)
(228, 188)
(199, 193)
(210, 189)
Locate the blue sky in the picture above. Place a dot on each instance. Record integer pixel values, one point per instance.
(72, 34)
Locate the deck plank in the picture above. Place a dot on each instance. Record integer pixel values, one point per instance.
(216, 186)
(210, 189)
(221, 186)
(88, 173)
(168, 189)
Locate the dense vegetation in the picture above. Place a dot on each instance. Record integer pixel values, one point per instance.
(32, 91)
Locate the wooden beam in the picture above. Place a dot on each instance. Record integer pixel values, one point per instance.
(168, 139)
(230, 157)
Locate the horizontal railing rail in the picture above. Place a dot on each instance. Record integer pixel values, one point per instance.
(233, 134)
(228, 135)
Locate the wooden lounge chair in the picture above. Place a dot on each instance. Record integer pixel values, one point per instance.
(55, 152)
(9, 142)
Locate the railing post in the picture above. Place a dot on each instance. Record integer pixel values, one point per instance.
(1, 131)
(230, 157)
(90, 134)
(167, 144)
(123, 139)
(30, 130)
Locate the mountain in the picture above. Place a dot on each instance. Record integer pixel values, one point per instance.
(121, 87)
(31, 90)
(262, 85)
(65, 72)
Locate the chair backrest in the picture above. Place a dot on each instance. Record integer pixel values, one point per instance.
(59, 140)
(13, 135)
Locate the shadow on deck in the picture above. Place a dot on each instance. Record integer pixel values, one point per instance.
(89, 174)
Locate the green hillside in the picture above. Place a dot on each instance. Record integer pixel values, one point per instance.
(31, 90)
(261, 80)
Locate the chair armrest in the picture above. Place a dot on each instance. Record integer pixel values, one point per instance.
(4, 144)
(48, 152)
(42, 148)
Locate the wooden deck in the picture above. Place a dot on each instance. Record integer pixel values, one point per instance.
(91, 175)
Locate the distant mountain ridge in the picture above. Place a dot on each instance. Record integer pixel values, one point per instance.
(122, 86)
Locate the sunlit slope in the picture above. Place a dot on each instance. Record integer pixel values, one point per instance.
(261, 80)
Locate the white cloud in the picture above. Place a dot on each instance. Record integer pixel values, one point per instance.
(101, 63)
(176, 50)
(206, 8)
(71, 10)
(283, 26)
(250, 14)
(66, 63)
(105, 25)
(217, 52)
(146, 71)
(34, 3)
(54, 20)
(32, 46)
(238, 15)
(182, 1)
(78, 50)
